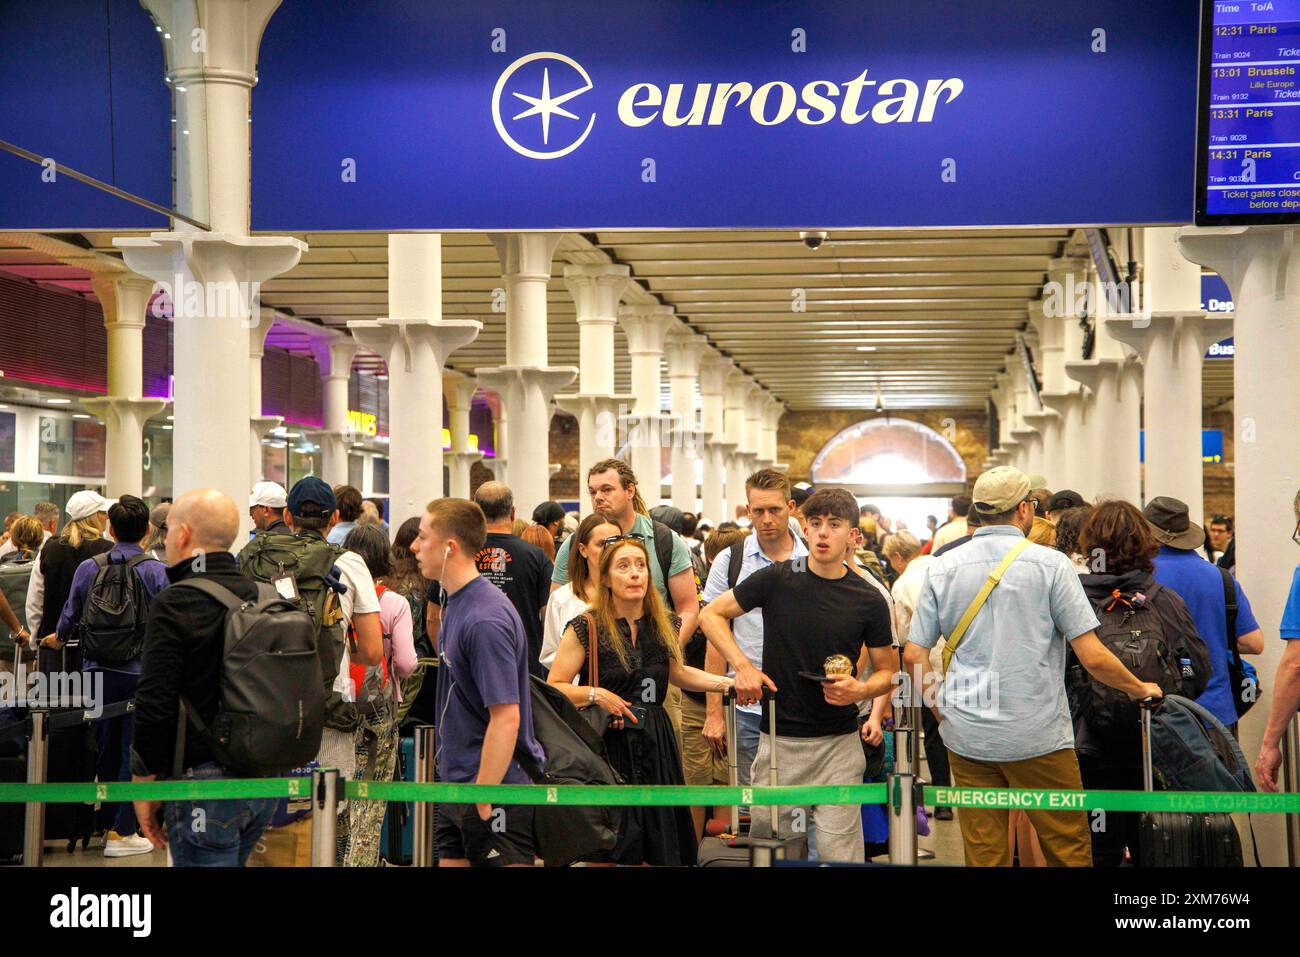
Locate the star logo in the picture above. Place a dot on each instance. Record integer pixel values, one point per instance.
(544, 106)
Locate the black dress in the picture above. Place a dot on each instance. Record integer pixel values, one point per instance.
(662, 836)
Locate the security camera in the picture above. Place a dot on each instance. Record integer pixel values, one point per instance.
(813, 240)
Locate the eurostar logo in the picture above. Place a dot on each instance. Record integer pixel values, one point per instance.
(569, 76)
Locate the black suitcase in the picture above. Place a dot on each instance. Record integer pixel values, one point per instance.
(13, 770)
(1183, 839)
(734, 849)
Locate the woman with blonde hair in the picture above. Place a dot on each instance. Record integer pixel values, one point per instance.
(625, 651)
(51, 582)
(579, 593)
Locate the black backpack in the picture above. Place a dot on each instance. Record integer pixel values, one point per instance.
(575, 754)
(271, 709)
(1134, 631)
(116, 611)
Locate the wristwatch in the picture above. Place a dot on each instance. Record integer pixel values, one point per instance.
(591, 696)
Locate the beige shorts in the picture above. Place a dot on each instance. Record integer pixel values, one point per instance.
(701, 764)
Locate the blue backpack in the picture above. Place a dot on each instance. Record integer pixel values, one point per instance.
(1191, 750)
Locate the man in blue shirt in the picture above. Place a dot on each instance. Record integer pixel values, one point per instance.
(1002, 705)
(128, 525)
(1286, 682)
(1200, 585)
(484, 704)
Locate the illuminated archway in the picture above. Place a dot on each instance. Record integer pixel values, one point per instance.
(890, 457)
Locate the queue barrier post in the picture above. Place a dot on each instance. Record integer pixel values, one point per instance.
(34, 822)
(324, 815)
(422, 824)
(901, 803)
(1291, 784)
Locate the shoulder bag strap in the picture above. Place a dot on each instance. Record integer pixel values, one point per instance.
(593, 660)
(978, 601)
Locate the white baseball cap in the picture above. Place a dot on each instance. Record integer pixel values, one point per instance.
(269, 494)
(87, 503)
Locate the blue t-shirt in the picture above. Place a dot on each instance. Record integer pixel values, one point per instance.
(483, 661)
(1290, 627)
(1200, 585)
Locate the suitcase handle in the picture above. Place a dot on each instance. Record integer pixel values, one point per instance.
(1145, 707)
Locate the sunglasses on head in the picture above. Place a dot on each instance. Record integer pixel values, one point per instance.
(628, 537)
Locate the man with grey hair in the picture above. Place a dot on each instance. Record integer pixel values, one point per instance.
(184, 651)
(519, 569)
(1002, 702)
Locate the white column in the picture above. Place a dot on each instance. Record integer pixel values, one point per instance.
(526, 383)
(596, 291)
(415, 341)
(646, 328)
(123, 299)
(754, 402)
(259, 424)
(773, 410)
(714, 369)
(1113, 378)
(334, 358)
(741, 459)
(459, 390)
(210, 439)
(1171, 335)
(684, 350)
(1261, 269)
(1059, 337)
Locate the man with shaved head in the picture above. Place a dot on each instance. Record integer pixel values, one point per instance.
(184, 647)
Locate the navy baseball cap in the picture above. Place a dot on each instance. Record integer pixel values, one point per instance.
(311, 498)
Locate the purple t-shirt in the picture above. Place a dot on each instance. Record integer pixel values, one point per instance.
(483, 661)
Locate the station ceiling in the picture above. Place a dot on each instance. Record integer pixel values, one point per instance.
(925, 317)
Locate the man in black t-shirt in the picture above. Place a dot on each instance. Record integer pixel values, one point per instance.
(522, 571)
(812, 610)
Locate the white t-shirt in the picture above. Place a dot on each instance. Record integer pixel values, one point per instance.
(361, 597)
(562, 608)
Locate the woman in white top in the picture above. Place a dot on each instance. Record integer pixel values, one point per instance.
(571, 600)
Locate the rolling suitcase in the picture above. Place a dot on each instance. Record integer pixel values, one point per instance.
(733, 849)
(13, 770)
(396, 838)
(1178, 838)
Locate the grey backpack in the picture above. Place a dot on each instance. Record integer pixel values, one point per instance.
(271, 710)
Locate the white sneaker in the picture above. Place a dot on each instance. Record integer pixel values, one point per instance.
(117, 846)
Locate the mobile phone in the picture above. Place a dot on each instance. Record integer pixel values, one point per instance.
(824, 679)
(640, 714)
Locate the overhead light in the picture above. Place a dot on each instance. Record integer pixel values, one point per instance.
(866, 348)
(171, 418)
(80, 415)
(58, 401)
(167, 428)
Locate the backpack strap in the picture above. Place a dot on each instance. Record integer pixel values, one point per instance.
(664, 550)
(734, 561)
(219, 592)
(1230, 610)
(973, 609)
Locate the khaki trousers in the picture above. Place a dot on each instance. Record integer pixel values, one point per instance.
(1063, 834)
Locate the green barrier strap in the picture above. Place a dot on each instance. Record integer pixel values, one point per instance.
(189, 790)
(1190, 801)
(586, 795)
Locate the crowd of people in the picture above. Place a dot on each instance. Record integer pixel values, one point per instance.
(805, 609)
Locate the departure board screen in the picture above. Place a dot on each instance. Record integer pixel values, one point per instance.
(1248, 160)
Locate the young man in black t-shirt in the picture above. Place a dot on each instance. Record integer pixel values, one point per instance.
(811, 611)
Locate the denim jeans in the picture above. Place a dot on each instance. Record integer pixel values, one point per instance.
(747, 726)
(218, 833)
(113, 736)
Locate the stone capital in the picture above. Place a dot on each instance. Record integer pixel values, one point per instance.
(334, 356)
(596, 291)
(398, 340)
(646, 328)
(714, 369)
(458, 389)
(526, 255)
(683, 351)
